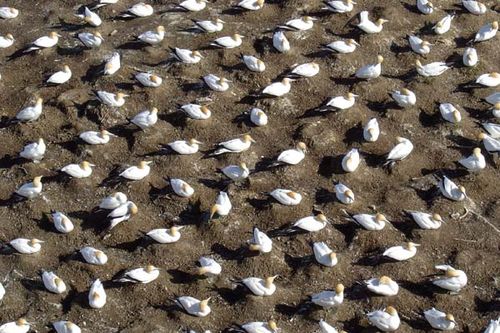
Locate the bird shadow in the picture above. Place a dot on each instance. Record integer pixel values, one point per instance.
(324, 196)
(176, 118)
(33, 284)
(298, 263)
(356, 292)
(181, 277)
(131, 246)
(348, 230)
(260, 204)
(331, 165)
(232, 296)
(411, 8)
(354, 134)
(226, 253)
(492, 305)
(45, 223)
(132, 45)
(94, 72)
(429, 119)
(8, 161)
(192, 214)
(423, 289)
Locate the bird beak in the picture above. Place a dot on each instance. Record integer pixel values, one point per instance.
(356, 43)
(198, 142)
(149, 162)
(92, 165)
(355, 95)
(58, 35)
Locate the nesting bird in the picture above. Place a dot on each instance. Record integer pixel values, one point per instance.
(209, 267)
(286, 197)
(260, 327)
(260, 287)
(121, 213)
(400, 151)
(216, 83)
(371, 131)
(386, 320)
(97, 295)
(260, 242)
(489, 79)
(344, 194)
(18, 326)
(165, 236)
(96, 137)
(184, 147)
(82, 170)
(7, 13)
(373, 222)
(222, 205)
(418, 45)
(490, 144)
(258, 117)
(111, 99)
(292, 156)
(470, 58)
(93, 256)
(342, 46)
(339, 6)
(401, 252)
(149, 80)
(278, 89)
(451, 190)
(384, 286)
(474, 7)
(432, 69)
(329, 298)
(342, 102)
(450, 113)
(91, 40)
(197, 112)
(351, 160)
(235, 145)
(425, 220)
(299, 24)
(145, 119)
(90, 17)
(153, 37)
(139, 10)
(26, 246)
(140, 275)
(324, 255)
(137, 172)
(31, 113)
(440, 320)
(280, 42)
(186, 56)
(444, 25)
(251, 4)
(34, 151)
(371, 71)
(254, 64)
(311, 223)
(113, 201)
(404, 98)
(193, 5)
(112, 64)
(6, 41)
(228, 42)
(236, 172)
(32, 189)
(425, 7)
(53, 283)
(368, 26)
(181, 188)
(454, 279)
(44, 42)
(65, 326)
(194, 306)
(486, 32)
(62, 223)
(210, 26)
(474, 162)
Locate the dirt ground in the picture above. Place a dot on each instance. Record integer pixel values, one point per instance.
(466, 241)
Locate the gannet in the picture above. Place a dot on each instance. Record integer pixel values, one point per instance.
(451, 190)
(145, 119)
(137, 172)
(329, 298)
(492, 145)
(474, 7)
(82, 170)
(260, 287)
(32, 189)
(235, 145)
(90, 17)
(121, 214)
(425, 7)
(493, 326)
(93, 256)
(194, 306)
(339, 6)
(327, 328)
(342, 46)
(261, 327)
(185, 147)
(140, 275)
(286, 197)
(195, 111)
(6, 41)
(492, 129)
(418, 45)
(62, 223)
(254, 64)
(450, 113)
(293, 156)
(309, 69)
(494, 98)
(193, 5)
(251, 4)
(401, 252)
(91, 40)
(8, 12)
(153, 37)
(222, 205)
(400, 151)
(210, 26)
(299, 24)
(165, 236)
(324, 255)
(280, 42)
(258, 117)
(216, 83)
(209, 266)
(149, 79)
(44, 42)
(102, 3)
(181, 188)
(112, 64)
(351, 160)
(384, 286)
(61, 76)
(228, 42)
(2, 291)
(404, 97)
(97, 295)
(425, 220)
(453, 280)
(368, 26)
(371, 222)
(432, 69)
(34, 151)
(65, 326)
(31, 113)
(486, 32)
(113, 201)
(96, 137)
(371, 71)
(53, 283)
(186, 56)
(474, 162)
(371, 131)
(236, 172)
(278, 89)
(444, 25)
(344, 194)
(111, 99)
(260, 242)
(18, 326)
(139, 10)
(311, 223)
(26, 246)
(386, 320)
(470, 57)
(440, 320)
(495, 110)
(489, 79)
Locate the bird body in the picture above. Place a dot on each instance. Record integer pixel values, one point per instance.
(34, 151)
(433, 69)
(371, 131)
(368, 26)
(97, 295)
(90, 40)
(260, 287)
(444, 25)
(197, 112)
(145, 119)
(31, 113)
(96, 138)
(165, 236)
(329, 298)
(286, 197)
(140, 275)
(439, 320)
(486, 32)
(113, 201)
(386, 320)
(194, 306)
(82, 170)
(53, 283)
(184, 147)
(280, 42)
(384, 286)
(31, 190)
(153, 37)
(181, 188)
(216, 83)
(93, 256)
(235, 145)
(371, 71)
(454, 279)
(401, 252)
(137, 172)
(324, 255)
(451, 190)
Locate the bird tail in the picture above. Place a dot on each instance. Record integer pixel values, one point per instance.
(363, 16)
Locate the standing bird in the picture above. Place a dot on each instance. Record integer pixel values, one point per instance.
(31, 113)
(44, 42)
(386, 320)
(61, 76)
(153, 37)
(370, 71)
(368, 26)
(34, 151)
(454, 279)
(235, 145)
(444, 25)
(145, 119)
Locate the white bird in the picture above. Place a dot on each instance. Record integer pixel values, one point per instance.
(184, 147)
(222, 205)
(261, 327)
(193, 5)
(236, 172)
(140, 275)
(486, 32)
(149, 80)
(258, 117)
(216, 83)
(278, 89)
(18, 326)
(432, 69)
(44, 42)
(311, 223)
(26, 246)
(495, 110)
(31, 113)
(153, 37)
(62, 223)
(32, 189)
(425, 220)
(34, 151)
(425, 7)
(82, 170)
(254, 64)
(210, 26)
(186, 56)
(489, 79)
(280, 42)
(251, 4)
(260, 242)
(96, 137)
(490, 144)
(418, 45)
(453, 280)
(474, 7)
(444, 25)
(400, 151)
(368, 26)
(329, 298)
(371, 131)
(113, 201)
(97, 295)
(324, 255)
(112, 64)
(371, 222)
(181, 188)
(61, 76)
(194, 306)
(197, 112)
(6, 41)
(309, 69)
(470, 57)
(209, 266)
(90, 17)
(342, 46)
(327, 328)
(235, 145)
(493, 327)
(339, 6)
(93, 256)
(386, 320)
(8, 12)
(450, 113)
(492, 129)
(139, 10)
(493, 99)
(293, 156)
(384, 286)
(110, 99)
(351, 160)
(65, 326)
(440, 320)
(260, 287)
(451, 190)
(53, 283)
(228, 42)
(2, 291)
(286, 197)
(404, 97)
(165, 236)
(474, 162)
(300, 24)
(145, 119)
(344, 194)
(401, 252)
(370, 71)
(91, 40)
(137, 172)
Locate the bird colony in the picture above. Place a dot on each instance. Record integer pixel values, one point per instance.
(261, 166)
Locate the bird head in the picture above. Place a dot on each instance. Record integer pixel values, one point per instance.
(121, 95)
(34, 241)
(150, 268)
(451, 272)
(418, 63)
(85, 165)
(39, 101)
(339, 289)
(222, 22)
(495, 75)
(260, 3)
(193, 142)
(98, 34)
(213, 210)
(69, 326)
(321, 217)
(204, 304)
(205, 110)
(54, 35)
(437, 217)
(352, 42)
(497, 106)
(380, 59)
(37, 181)
(381, 21)
(348, 193)
(196, 54)
(385, 280)
(411, 245)
(477, 152)
(391, 310)
(160, 29)
(456, 115)
(21, 322)
(450, 317)
(333, 256)
(58, 282)
(247, 138)
(9, 36)
(143, 164)
(302, 146)
(237, 37)
(155, 78)
(380, 218)
(292, 195)
(99, 255)
(174, 230)
(405, 92)
(133, 208)
(351, 96)
(494, 25)
(154, 111)
(270, 280)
